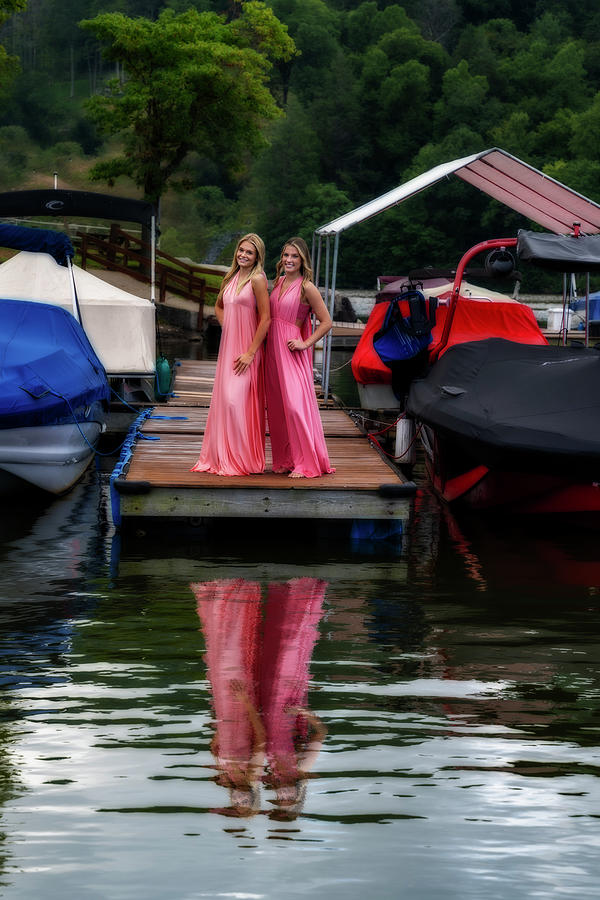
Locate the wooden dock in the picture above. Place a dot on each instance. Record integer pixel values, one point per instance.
(153, 479)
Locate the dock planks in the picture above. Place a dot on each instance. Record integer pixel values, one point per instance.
(157, 481)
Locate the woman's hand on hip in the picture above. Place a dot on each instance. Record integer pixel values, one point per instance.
(296, 344)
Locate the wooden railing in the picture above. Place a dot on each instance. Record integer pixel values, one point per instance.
(124, 252)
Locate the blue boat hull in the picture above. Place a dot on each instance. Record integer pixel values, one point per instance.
(53, 397)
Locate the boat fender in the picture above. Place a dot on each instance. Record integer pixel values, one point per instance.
(407, 489)
(163, 376)
(406, 451)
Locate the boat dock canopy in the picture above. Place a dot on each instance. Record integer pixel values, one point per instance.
(495, 172)
(55, 202)
(503, 177)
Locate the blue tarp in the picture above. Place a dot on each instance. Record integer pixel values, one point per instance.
(47, 365)
(37, 240)
(594, 299)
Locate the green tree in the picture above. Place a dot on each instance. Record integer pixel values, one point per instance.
(463, 97)
(485, 47)
(286, 193)
(8, 7)
(315, 28)
(194, 82)
(400, 76)
(9, 65)
(515, 134)
(15, 148)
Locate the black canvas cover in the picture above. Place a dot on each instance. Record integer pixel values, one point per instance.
(516, 407)
(76, 203)
(560, 252)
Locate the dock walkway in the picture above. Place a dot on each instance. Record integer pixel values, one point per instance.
(153, 478)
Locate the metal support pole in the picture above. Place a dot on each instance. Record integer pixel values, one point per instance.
(563, 335)
(316, 275)
(326, 299)
(317, 268)
(74, 299)
(587, 309)
(329, 337)
(317, 265)
(153, 259)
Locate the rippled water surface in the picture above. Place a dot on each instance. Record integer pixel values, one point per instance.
(265, 715)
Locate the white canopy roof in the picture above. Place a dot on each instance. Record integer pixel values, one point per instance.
(120, 326)
(504, 177)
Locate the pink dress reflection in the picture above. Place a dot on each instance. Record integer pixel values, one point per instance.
(230, 612)
(290, 633)
(259, 673)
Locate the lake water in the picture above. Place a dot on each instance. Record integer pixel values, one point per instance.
(249, 714)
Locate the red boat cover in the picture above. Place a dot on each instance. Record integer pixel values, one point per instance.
(474, 320)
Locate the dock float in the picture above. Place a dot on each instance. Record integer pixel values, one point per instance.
(153, 479)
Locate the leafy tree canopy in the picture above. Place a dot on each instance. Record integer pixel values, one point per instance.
(9, 65)
(8, 7)
(372, 92)
(194, 82)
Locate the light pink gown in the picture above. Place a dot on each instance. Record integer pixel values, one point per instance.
(230, 612)
(295, 427)
(234, 438)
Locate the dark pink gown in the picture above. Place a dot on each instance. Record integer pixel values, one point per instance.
(295, 427)
(293, 612)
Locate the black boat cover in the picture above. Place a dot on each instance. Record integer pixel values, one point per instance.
(516, 407)
(560, 252)
(83, 204)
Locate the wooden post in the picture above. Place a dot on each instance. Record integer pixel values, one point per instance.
(200, 322)
(162, 289)
(113, 239)
(83, 250)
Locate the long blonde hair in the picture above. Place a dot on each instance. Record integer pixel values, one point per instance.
(258, 267)
(305, 267)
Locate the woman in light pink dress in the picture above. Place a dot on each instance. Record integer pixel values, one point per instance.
(295, 427)
(234, 438)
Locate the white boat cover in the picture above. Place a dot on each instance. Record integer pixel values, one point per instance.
(120, 326)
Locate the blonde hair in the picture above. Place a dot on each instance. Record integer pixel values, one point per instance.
(258, 267)
(305, 266)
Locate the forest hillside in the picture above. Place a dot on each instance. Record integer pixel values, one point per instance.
(374, 93)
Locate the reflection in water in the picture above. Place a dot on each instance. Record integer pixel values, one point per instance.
(294, 734)
(230, 611)
(460, 674)
(258, 669)
(497, 553)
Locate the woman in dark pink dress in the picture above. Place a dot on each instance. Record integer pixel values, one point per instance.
(295, 428)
